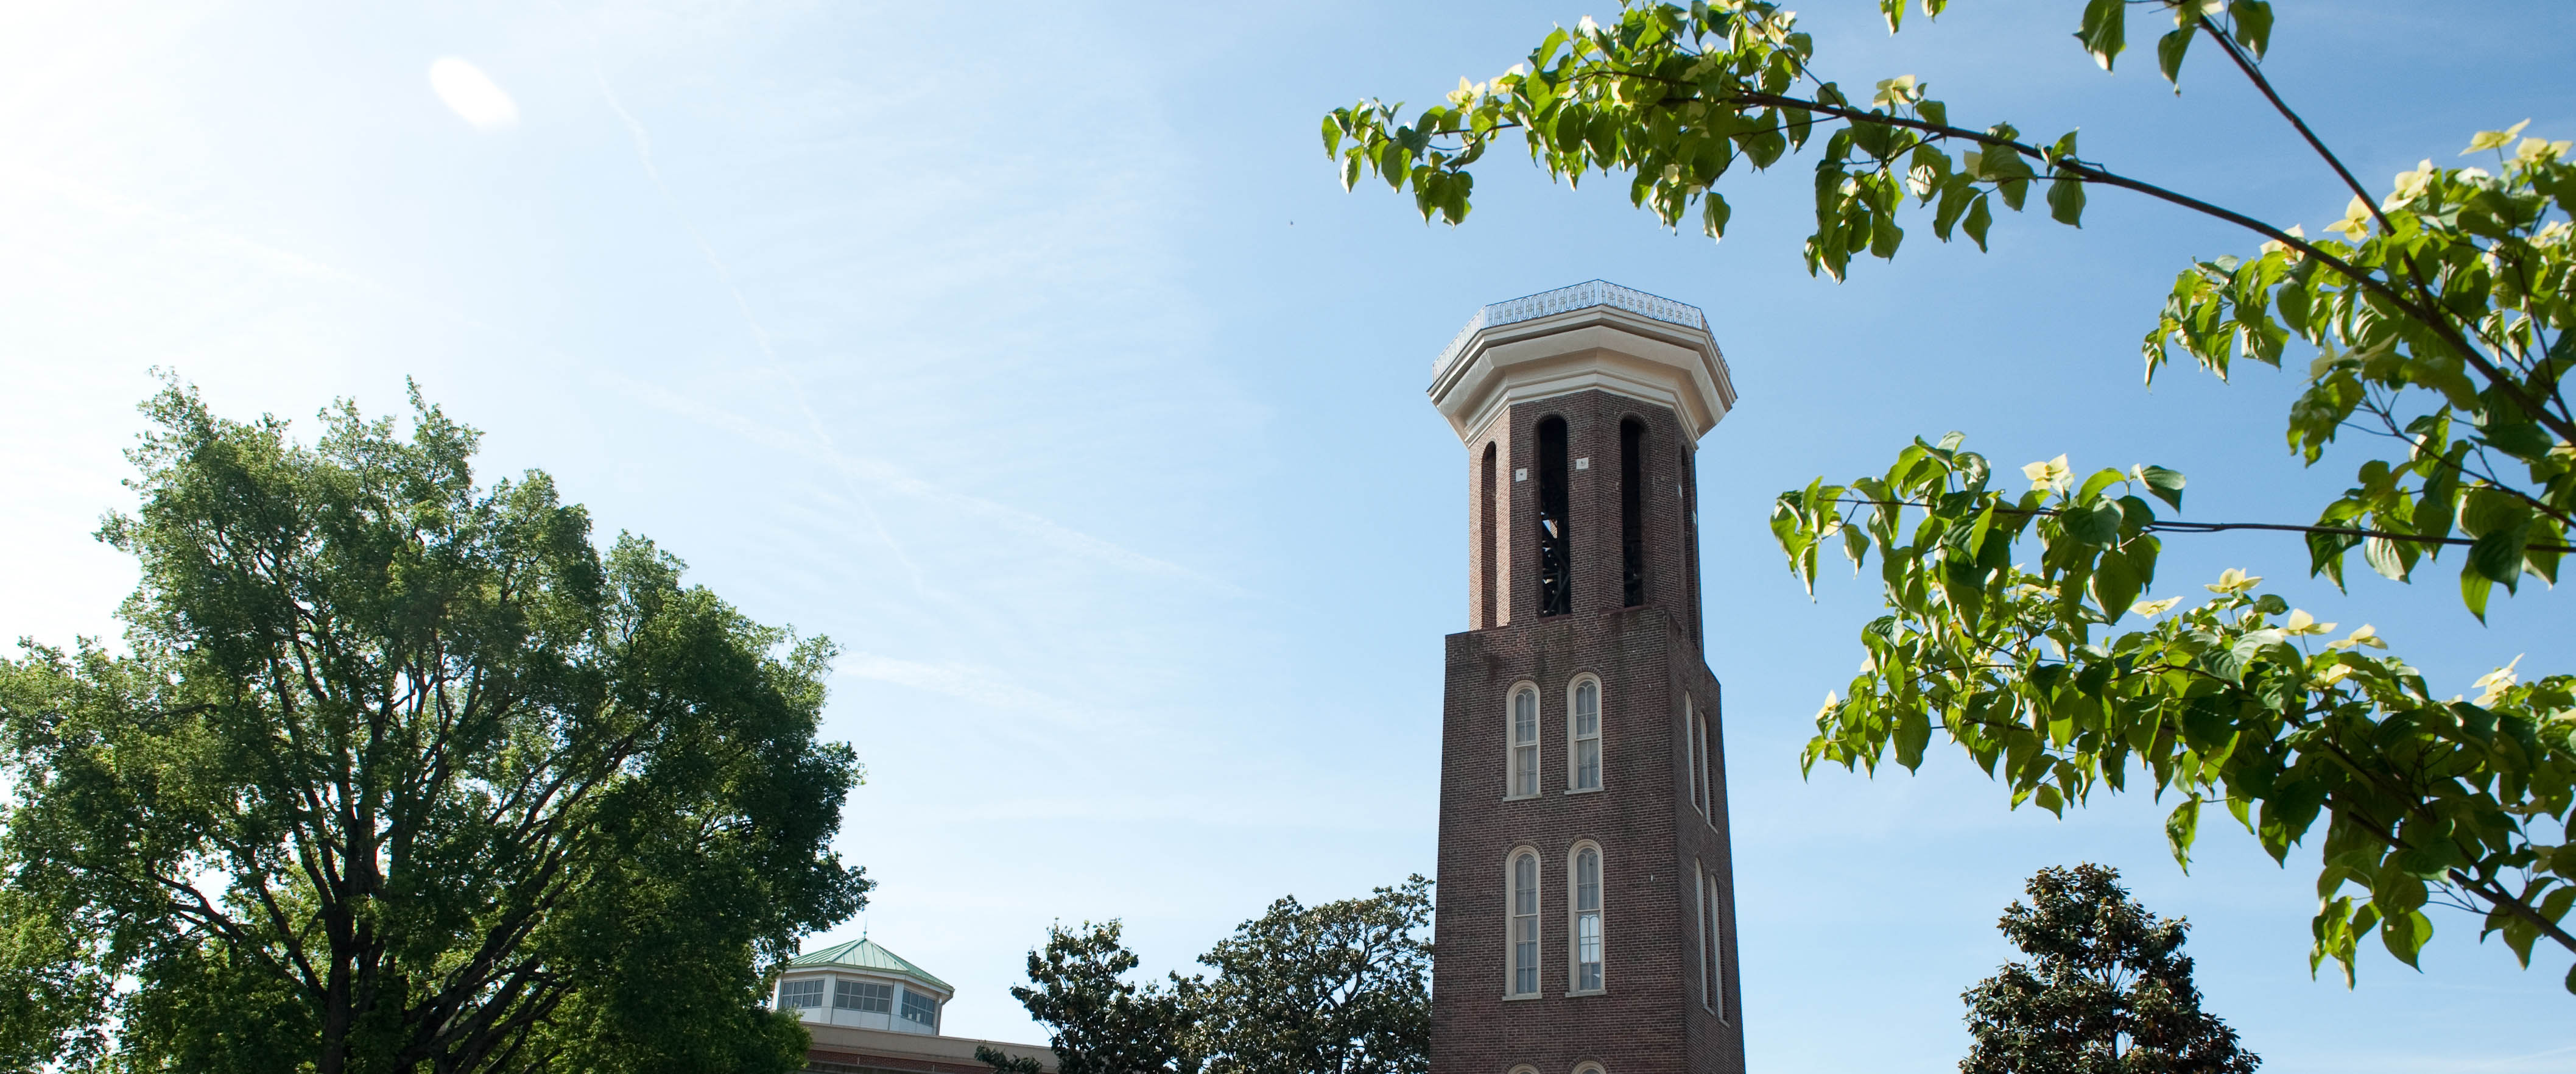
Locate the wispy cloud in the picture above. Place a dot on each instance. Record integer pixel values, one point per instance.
(979, 685)
(887, 477)
(759, 332)
(471, 94)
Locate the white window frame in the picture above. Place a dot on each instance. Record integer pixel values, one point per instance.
(929, 1003)
(1516, 766)
(1513, 920)
(1575, 913)
(852, 985)
(822, 994)
(1575, 740)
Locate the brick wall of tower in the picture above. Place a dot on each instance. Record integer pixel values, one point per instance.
(1649, 1019)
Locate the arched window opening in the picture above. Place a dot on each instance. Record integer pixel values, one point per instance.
(1524, 758)
(1587, 920)
(1712, 761)
(1525, 925)
(1632, 512)
(1707, 966)
(1690, 752)
(1584, 733)
(1690, 541)
(1716, 958)
(1555, 524)
(1488, 612)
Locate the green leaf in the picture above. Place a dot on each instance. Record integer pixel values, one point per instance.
(2098, 525)
(2497, 556)
(1332, 136)
(2405, 934)
(1714, 212)
(2104, 31)
(1979, 219)
(2181, 827)
(2392, 559)
(2169, 50)
(2325, 554)
(2163, 484)
(2253, 19)
(2066, 201)
(2474, 588)
(1913, 732)
(1955, 194)
(2116, 585)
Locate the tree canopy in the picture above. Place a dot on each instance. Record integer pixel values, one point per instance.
(2107, 989)
(1342, 987)
(397, 772)
(2435, 319)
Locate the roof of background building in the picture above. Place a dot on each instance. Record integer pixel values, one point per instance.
(864, 954)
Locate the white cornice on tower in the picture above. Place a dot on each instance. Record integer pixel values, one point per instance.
(1591, 335)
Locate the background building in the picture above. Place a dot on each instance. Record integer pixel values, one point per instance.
(870, 1010)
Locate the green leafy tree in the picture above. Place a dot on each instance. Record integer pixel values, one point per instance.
(2437, 328)
(398, 772)
(1339, 988)
(2107, 990)
(1098, 1021)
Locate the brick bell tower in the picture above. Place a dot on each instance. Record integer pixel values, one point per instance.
(1586, 903)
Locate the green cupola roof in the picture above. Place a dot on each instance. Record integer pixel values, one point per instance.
(864, 954)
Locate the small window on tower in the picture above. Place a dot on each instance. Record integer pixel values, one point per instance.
(1524, 747)
(1584, 736)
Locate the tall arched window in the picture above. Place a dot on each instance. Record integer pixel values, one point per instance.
(1488, 612)
(1586, 902)
(1583, 736)
(1524, 755)
(1555, 522)
(1707, 965)
(1712, 762)
(1525, 924)
(1716, 959)
(1690, 751)
(1632, 512)
(1690, 540)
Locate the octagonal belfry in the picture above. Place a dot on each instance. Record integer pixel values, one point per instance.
(1586, 897)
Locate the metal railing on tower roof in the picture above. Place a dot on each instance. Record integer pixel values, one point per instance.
(1567, 299)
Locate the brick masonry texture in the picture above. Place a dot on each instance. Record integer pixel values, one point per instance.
(1649, 1018)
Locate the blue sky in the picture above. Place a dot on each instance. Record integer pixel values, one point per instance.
(1035, 356)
